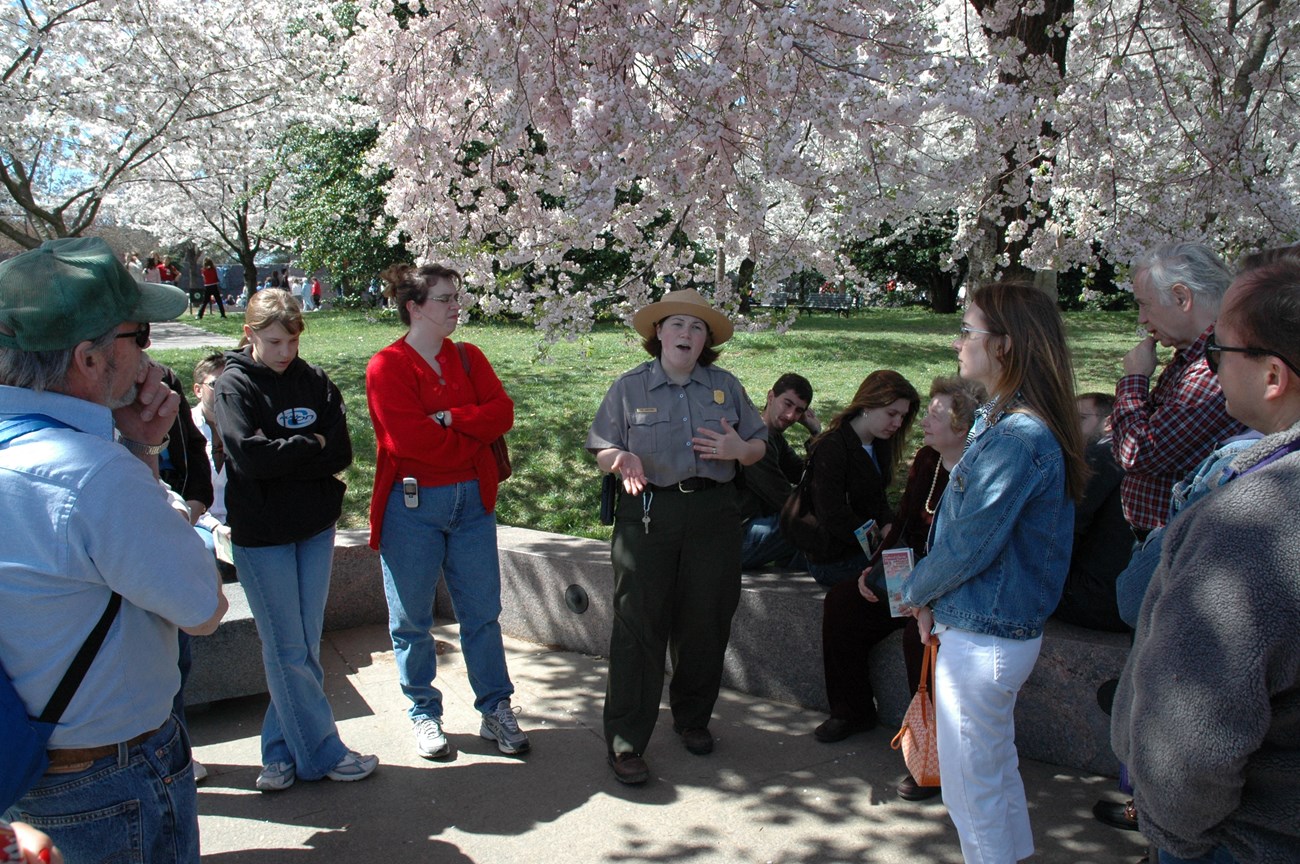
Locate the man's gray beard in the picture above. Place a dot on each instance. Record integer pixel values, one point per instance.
(127, 398)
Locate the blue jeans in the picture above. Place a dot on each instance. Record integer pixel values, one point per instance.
(286, 587)
(449, 531)
(136, 805)
(1218, 856)
(763, 544)
(836, 572)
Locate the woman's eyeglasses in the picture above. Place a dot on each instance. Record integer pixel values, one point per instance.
(1214, 354)
(139, 334)
(444, 298)
(965, 332)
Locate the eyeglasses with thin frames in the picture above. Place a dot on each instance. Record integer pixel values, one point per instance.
(444, 298)
(139, 334)
(964, 333)
(1214, 354)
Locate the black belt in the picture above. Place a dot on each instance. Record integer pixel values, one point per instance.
(690, 484)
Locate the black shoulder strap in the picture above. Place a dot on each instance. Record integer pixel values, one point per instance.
(81, 663)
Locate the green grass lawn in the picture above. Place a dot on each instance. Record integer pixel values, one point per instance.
(557, 388)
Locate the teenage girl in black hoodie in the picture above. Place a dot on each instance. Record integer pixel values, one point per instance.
(285, 432)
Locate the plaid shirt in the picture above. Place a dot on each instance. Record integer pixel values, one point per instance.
(1161, 436)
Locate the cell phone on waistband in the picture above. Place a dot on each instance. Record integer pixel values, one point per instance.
(410, 492)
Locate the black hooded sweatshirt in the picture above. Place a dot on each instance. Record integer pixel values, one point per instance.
(281, 486)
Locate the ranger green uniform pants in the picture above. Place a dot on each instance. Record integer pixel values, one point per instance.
(675, 588)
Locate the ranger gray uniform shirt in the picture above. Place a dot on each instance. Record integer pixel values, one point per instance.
(647, 414)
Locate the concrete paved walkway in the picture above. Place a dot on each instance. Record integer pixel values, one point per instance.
(769, 794)
(178, 334)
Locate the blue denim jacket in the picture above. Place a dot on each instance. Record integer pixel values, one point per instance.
(1000, 546)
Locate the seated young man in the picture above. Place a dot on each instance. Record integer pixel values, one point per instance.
(766, 484)
(212, 524)
(1102, 538)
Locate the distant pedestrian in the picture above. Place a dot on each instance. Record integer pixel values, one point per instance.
(211, 289)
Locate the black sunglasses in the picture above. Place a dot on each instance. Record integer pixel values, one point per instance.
(1214, 353)
(139, 334)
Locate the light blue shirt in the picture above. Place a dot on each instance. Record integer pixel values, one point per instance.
(82, 518)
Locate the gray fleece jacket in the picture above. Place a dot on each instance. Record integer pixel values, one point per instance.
(1207, 715)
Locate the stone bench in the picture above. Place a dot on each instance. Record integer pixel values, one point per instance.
(775, 648)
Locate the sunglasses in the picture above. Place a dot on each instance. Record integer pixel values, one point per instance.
(139, 334)
(1214, 354)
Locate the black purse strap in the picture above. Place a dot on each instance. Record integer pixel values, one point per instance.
(81, 663)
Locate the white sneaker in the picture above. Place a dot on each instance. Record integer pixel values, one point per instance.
(353, 766)
(200, 773)
(276, 777)
(500, 725)
(429, 738)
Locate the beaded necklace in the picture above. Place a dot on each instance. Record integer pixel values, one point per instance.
(934, 481)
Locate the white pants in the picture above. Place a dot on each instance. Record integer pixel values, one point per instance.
(976, 681)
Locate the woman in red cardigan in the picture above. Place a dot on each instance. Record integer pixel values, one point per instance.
(436, 408)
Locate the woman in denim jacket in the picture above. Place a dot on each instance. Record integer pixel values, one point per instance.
(999, 554)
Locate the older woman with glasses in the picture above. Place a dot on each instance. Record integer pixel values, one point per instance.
(437, 406)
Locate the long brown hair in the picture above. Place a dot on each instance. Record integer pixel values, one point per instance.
(1036, 366)
(881, 388)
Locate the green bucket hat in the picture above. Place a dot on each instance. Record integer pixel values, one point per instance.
(73, 289)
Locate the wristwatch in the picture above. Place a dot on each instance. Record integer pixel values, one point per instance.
(145, 449)
(441, 419)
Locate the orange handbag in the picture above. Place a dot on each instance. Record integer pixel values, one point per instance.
(919, 738)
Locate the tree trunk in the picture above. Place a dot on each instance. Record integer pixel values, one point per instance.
(1043, 35)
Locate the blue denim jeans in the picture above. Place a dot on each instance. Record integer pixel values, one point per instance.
(136, 805)
(450, 532)
(286, 588)
(836, 572)
(1218, 856)
(763, 544)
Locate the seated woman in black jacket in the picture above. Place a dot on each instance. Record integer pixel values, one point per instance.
(856, 458)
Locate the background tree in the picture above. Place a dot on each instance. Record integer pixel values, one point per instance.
(94, 90)
(1058, 134)
(752, 129)
(335, 216)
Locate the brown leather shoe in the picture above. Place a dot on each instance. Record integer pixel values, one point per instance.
(697, 741)
(910, 790)
(838, 728)
(629, 768)
(1122, 816)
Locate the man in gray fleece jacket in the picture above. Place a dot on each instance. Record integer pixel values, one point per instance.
(1207, 715)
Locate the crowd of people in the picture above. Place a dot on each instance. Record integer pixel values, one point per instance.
(1159, 510)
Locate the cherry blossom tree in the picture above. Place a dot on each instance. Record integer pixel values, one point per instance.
(94, 90)
(518, 130)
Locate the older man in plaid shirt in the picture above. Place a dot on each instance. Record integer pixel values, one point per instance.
(1161, 435)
